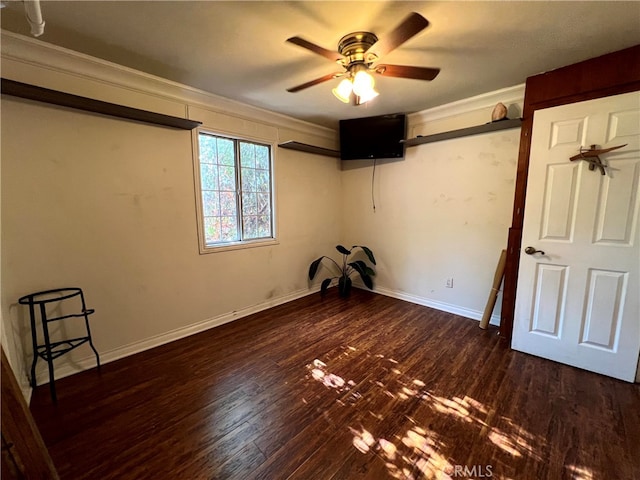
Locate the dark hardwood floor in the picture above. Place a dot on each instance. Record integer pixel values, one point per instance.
(367, 388)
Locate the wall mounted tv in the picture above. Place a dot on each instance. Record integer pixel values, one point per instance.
(373, 137)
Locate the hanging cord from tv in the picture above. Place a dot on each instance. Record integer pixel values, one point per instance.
(373, 177)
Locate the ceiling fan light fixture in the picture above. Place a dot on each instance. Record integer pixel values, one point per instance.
(358, 52)
(369, 95)
(363, 83)
(343, 90)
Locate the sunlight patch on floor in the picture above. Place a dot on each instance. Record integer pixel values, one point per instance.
(319, 373)
(579, 473)
(419, 452)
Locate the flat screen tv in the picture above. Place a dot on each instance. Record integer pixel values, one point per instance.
(373, 137)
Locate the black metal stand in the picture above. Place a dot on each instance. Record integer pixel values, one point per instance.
(49, 351)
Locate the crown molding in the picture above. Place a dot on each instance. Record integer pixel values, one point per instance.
(39, 54)
(507, 96)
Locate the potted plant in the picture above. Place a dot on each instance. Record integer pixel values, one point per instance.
(345, 270)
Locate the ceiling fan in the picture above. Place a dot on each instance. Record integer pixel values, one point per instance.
(358, 54)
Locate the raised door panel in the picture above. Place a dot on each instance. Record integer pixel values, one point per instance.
(604, 303)
(549, 300)
(560, 196)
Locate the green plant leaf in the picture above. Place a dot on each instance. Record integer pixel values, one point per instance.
(313, 268)
(362, 268)
(359, 266)
(325, 285)
(343, 250)
(367, 252)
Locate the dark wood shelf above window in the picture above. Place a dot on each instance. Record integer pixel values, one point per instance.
(303, 147)
(55, 97)
(464, 132)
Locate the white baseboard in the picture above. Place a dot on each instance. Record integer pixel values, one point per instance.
(445, 307)
(26, 393)
(67, 369)
(89, 362)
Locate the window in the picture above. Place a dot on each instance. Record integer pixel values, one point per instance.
(236, 191)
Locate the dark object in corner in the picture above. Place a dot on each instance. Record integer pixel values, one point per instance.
(373, 137)
(346, 270)
(51, 350)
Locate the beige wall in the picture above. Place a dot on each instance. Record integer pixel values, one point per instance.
(109, 205)
(441, 212)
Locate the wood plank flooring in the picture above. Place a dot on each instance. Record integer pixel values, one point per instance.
(330, 389)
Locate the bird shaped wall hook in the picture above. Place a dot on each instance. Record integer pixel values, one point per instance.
(592, 156)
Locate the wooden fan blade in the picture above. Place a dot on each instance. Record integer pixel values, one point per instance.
(410, 26)
(313, 82)
(301, 42)
(404, 71)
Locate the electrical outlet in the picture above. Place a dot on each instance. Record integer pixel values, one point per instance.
(449, 282)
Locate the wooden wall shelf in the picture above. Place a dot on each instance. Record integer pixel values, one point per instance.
(303, 147)
(412, 142)
(464, 132)
(55, 97)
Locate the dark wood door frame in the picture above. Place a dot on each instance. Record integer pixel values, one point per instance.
(611, 74)
(24, 454)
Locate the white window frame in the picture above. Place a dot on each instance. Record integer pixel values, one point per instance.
(240, 244)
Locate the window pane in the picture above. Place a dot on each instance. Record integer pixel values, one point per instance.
(250, 225)
(248, 180)
(264, 203)
(207, 148)
(228, 205)
(249, 204)
(212, 229)
(262, 157)
(263, 180)
(229, 228)
(247, 155)
(210, 204)
(226, 155)
(264, 226)
(227, 179)
(209, 176)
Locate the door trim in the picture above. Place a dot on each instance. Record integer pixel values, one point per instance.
(610, 74)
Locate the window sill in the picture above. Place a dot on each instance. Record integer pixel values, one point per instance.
(226, 247)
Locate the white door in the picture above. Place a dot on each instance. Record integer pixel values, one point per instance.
(577, 303)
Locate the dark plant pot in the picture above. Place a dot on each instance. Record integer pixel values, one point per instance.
(344, 286)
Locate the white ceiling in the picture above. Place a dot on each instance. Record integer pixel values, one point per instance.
(238, 50)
